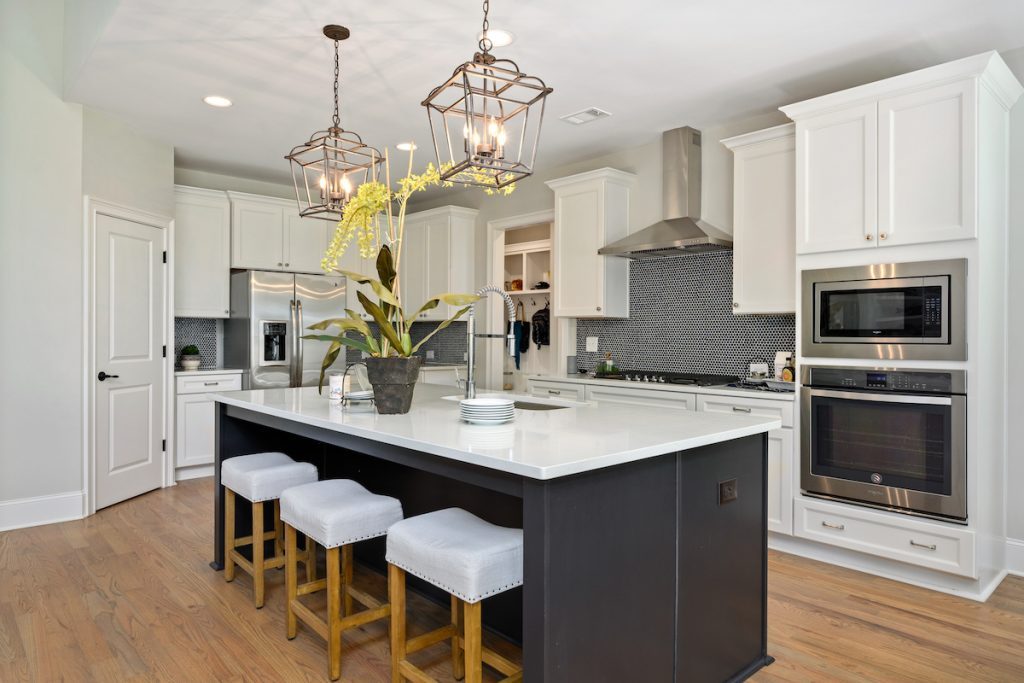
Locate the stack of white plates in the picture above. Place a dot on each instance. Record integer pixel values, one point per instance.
(487, 411)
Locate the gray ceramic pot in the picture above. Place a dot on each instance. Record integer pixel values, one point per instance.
(393, 381)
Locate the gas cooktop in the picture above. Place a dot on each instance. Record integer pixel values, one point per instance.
(684, 378)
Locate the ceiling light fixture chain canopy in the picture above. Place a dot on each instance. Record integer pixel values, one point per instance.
(337, 73)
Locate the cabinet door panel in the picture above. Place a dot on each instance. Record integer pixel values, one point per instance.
(641, 397)
(837, 180)
(578, 273)
(257, 235)
(306, 241)
(780, 481)
(195, 430)
(353, 262)
(413, 268)
(438, 266)
(202, 255)
(927, 166)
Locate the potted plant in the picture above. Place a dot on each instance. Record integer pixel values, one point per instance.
(190, 358)
(375, 219)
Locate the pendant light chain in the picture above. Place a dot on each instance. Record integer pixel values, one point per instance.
(337, 71)
(485, 43)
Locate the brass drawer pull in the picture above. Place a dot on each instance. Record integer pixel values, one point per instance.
(837, 527)
(926, 546)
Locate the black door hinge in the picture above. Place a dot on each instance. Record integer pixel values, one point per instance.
(165, 350)
(163, 445)
(165, 257)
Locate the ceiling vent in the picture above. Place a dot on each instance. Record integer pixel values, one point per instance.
(585, 116)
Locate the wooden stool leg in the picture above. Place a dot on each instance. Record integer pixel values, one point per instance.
(458, 664)
(474, 635)
(396, 596)
(310, 559)
(334, 590)
(347, 570)
(257, 554)
(291, 578)
(229, 534)
(278, 531)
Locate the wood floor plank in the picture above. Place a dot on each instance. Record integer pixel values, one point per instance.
(127, 595)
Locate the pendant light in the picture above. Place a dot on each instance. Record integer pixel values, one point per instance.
(327, 170)
(485, 119)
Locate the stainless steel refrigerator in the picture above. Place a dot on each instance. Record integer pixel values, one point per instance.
(269, 314)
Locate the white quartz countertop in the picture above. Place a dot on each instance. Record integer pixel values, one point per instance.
(543, 444)
(676, 388)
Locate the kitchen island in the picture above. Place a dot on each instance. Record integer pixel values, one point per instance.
(644, 529)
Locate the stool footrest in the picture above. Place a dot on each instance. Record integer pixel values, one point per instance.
(243, 562)
(362, 597)
(364, 617)
(422, 642)
(311, 587)
(247, 540)
(310, 618)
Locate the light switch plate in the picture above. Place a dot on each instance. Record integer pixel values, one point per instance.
(591, 344)
(430, 354)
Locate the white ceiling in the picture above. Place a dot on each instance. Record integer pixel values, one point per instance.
(655, 64)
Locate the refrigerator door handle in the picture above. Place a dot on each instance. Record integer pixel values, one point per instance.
(299, 363)
(292, 338)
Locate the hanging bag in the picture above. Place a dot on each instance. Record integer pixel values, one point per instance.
(542, 327)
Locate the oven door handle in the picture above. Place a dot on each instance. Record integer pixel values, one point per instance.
(882, 398)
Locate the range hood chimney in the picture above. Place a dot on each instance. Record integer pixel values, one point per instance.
(681, 230)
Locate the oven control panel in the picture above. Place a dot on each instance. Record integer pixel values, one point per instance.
(883, 379)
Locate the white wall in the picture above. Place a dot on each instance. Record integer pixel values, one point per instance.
(121, 165)
(40, 258)
(1015, 440)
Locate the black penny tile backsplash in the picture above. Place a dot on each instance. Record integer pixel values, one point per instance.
(681, 320)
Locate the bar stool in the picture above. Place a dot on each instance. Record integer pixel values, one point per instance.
(334, 513)
(259, 478)
(471, 559)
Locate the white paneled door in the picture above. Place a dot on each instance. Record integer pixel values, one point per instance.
(128, 339)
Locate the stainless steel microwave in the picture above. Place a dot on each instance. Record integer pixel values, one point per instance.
(888, 311)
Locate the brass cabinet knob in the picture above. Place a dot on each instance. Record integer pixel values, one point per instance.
(881, 236)
(867, 237)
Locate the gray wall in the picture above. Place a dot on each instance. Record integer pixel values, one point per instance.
(40, 258)
(1015, 333)
(219, 181)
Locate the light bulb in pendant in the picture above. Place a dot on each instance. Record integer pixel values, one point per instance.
(346, 185)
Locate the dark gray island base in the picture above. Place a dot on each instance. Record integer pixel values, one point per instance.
(645, 571)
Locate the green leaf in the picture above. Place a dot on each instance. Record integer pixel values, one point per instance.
(407, 344)
(341, 323)
(458, 299)
(329, 358)
(430, 305)
(440, 327)
(385, 294)
(386, 267)
(347, 341)
(381, 319)
(356, 277)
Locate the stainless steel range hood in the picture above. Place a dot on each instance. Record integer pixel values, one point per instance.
(681, 231)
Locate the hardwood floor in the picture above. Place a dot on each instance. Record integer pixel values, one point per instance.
(127, 595)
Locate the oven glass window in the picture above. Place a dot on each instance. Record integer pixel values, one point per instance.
(904, 445)
(901, 312)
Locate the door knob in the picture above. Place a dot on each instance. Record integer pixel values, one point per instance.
(102, 376)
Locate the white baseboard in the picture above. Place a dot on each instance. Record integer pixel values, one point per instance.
(1015, 556)
(26, 512)
(194, 472)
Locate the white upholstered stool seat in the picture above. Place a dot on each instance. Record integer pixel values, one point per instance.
(335, 513)
(459, 552)
(469, 558)
(260, 478)
(264, 476)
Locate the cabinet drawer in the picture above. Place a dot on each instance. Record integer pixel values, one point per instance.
(447, 376)
(200, 384)
(564, 390)
(641, 397)
(895, 537)
(747, 406)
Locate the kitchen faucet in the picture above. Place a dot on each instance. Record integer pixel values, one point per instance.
(510, 307)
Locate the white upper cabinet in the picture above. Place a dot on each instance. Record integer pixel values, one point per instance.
(927, 170)
(764, 218)
(591, 210)
(268, 234)
(897, 162)
(202, 253)
(836, 180)
(438, 258)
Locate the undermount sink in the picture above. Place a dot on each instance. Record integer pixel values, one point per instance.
(530, 405)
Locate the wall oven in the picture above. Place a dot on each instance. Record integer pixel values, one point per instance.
(889, 311)
(895, 439)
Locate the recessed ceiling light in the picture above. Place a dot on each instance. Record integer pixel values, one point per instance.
(217, 101)
(406, 146)
(499, 37)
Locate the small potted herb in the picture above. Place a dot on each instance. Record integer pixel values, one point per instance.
(190, 358)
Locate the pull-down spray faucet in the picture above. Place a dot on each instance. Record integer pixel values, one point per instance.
(472, 336)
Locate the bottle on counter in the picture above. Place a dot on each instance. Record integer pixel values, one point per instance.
(789, 370)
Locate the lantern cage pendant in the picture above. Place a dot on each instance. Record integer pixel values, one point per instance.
(485, 119)
(328, 168)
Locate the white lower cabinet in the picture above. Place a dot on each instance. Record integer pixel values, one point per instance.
(447, 375)
(194, 416)
(934, 545)
(641, 397)
(545, 388)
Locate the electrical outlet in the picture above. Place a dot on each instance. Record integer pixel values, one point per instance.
(430, 354)
(591, 344)
(465, 356)
(727, 492)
